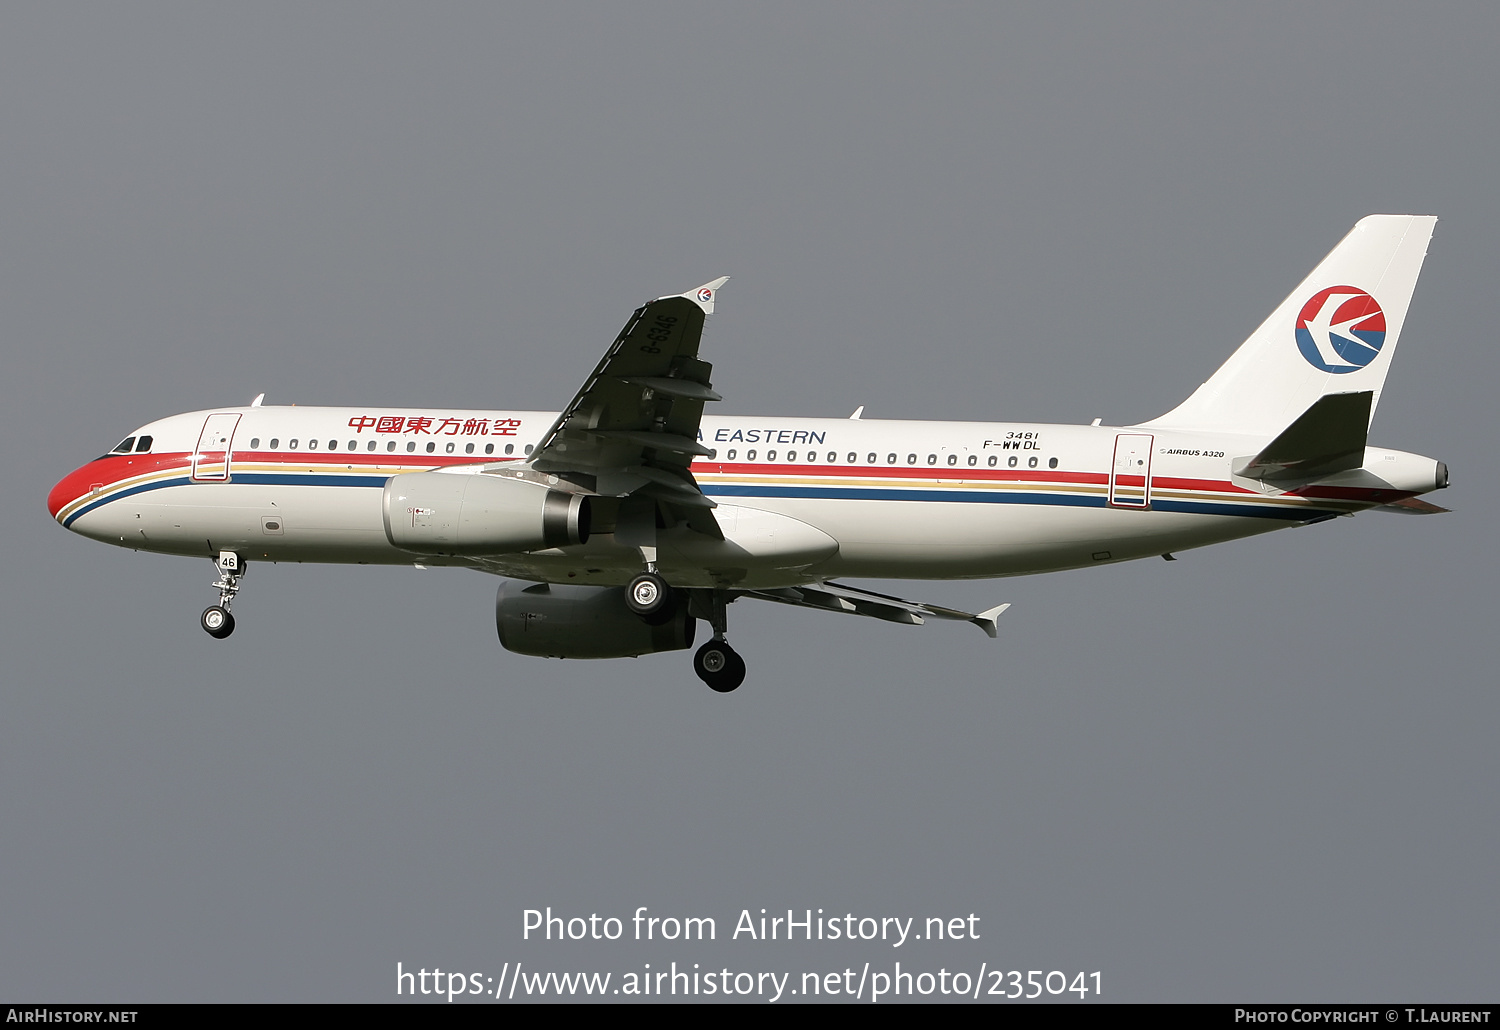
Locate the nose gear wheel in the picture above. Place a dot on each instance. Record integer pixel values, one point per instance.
(217, 622)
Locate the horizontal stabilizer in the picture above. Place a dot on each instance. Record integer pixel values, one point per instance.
(1326, 438)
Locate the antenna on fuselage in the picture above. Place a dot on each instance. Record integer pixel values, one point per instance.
(258, 398)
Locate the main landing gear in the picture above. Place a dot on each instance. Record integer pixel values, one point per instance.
(716, 663)
(649, 597)
(217, 620)
(719, 665)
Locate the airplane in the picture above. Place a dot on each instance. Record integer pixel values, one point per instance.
(622, 520)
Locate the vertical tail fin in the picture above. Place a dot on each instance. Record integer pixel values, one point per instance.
(1334, 334)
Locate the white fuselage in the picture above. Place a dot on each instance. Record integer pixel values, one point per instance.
(892, 499)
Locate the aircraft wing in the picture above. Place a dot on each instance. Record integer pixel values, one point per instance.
(838, 597)
(633, 427)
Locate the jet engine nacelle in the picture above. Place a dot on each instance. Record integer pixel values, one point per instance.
(551, 620)
(475, 513)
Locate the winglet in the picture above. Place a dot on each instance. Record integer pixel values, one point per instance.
(986, 620)
(704, 295)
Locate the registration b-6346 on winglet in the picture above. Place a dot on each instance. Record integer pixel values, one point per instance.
(629, 516)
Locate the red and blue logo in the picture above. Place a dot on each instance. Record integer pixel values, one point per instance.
(705, 295)
(1340, 329)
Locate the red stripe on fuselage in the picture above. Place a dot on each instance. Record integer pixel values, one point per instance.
(113, 469)
(928, 473)
(418, 459)
(105, 472)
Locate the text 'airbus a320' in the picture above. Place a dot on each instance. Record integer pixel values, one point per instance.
(625, 519)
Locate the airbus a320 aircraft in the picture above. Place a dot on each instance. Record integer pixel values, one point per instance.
(624, 519)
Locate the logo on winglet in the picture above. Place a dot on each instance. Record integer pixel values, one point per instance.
(1340, 329)
(705, 295)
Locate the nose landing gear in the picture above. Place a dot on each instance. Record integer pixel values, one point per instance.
(217, 620)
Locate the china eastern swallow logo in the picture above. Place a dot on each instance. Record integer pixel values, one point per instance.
(1340, 329)
(705, 295)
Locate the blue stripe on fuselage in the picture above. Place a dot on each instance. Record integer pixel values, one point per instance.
(1012, 497)
(1299, 514)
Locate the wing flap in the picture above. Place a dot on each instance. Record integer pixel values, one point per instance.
(840, 597)
(1413, 506)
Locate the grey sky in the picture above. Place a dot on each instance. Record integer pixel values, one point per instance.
(1265, 772)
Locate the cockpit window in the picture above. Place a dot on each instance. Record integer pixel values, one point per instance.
(124, 446)
(143, 445)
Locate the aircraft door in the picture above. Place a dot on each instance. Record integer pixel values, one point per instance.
(215, 446)
(1130, 475)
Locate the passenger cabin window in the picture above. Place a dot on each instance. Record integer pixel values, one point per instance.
(312, 445)
(292, 444)
(932, 459)
(770, 455)
(911, 459)
(1012, 461)
(449, 448)
(468, 448)
(371, 447)
(391, 446)
(510, 448)
(255, 443)
(1052, 463)
(528, 448)
(489, 448)
(352, 444)
(993, 460)
(431, 447)
(411, 445)
(275, 443)
(730, 455)
(890, 459)
(333, 445)
(973, 459)
(953, 459)
(1031, 462)
(750, 455)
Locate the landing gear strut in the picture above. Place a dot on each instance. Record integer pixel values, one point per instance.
(217, 620)
(716, 663)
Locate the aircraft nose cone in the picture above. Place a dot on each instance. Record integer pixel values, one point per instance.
(71, 487)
